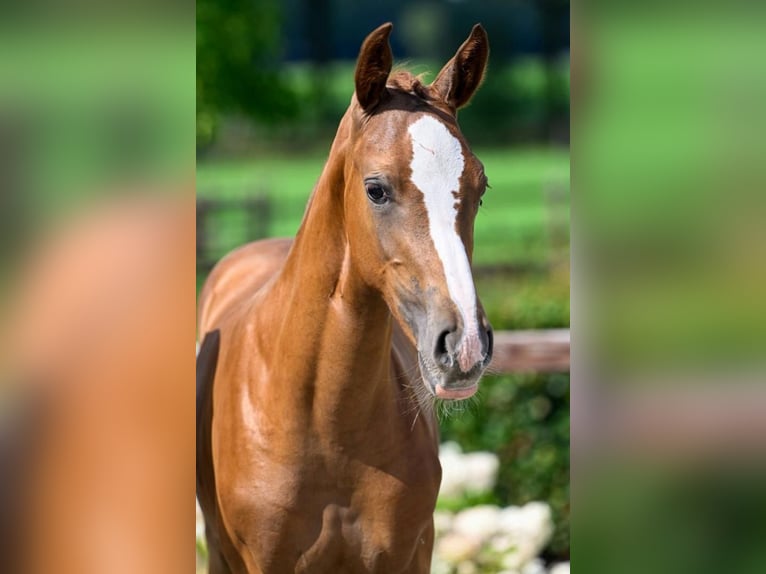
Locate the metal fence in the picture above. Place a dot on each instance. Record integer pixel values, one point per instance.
(223, 224)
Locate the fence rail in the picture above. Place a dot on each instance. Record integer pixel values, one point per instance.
(544, 351)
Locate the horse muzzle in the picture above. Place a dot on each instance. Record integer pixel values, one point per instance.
(457, 360)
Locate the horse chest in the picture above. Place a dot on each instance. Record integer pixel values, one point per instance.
(344, 517)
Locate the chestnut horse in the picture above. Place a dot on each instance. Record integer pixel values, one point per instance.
(317, 451)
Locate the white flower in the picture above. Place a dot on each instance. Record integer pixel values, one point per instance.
(473, 472)
(479, 522)
(440, 566)
(442, 522)
(534, 566)
(455, 548)
(516, 535)
(528, 529)
(531, 520)
(538, 516)
(453, 471)
(515, 560)
(480, 471)
(449, 448)
(467, 568)
(502, 543)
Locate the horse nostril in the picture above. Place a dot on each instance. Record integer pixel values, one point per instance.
(490, 344)
(441, 354)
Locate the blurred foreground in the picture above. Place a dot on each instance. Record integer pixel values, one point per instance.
(99, 364)
(669, 314)
(96, 272)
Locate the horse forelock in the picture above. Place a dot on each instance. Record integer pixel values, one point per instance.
(407, 92)
(410, 83)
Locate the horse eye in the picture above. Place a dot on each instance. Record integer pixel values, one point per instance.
(376, 193)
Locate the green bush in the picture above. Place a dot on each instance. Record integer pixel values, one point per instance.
(526, 301)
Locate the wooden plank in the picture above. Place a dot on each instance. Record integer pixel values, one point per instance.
(544, 351)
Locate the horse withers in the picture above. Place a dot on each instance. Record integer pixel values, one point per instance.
(317, 447)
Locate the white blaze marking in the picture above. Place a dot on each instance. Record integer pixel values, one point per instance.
(437, 164)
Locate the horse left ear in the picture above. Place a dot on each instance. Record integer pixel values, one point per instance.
(373, 67)
(462, 75)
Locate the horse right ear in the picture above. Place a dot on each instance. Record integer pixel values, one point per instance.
(373, 67)
(462, 75)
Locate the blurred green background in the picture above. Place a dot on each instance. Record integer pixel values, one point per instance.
(669, 125)
(273, 80)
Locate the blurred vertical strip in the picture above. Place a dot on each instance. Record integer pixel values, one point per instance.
(669, 313)
(97, 279)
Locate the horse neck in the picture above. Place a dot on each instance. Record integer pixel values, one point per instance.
(334, 331)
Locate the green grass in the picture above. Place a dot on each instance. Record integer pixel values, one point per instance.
(518, 224)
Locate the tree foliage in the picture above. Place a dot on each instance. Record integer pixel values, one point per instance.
(238, 45)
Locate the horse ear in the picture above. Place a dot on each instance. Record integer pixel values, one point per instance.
(462, 75)
(372, 67)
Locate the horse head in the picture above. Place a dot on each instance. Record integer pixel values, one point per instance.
(412, 191)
